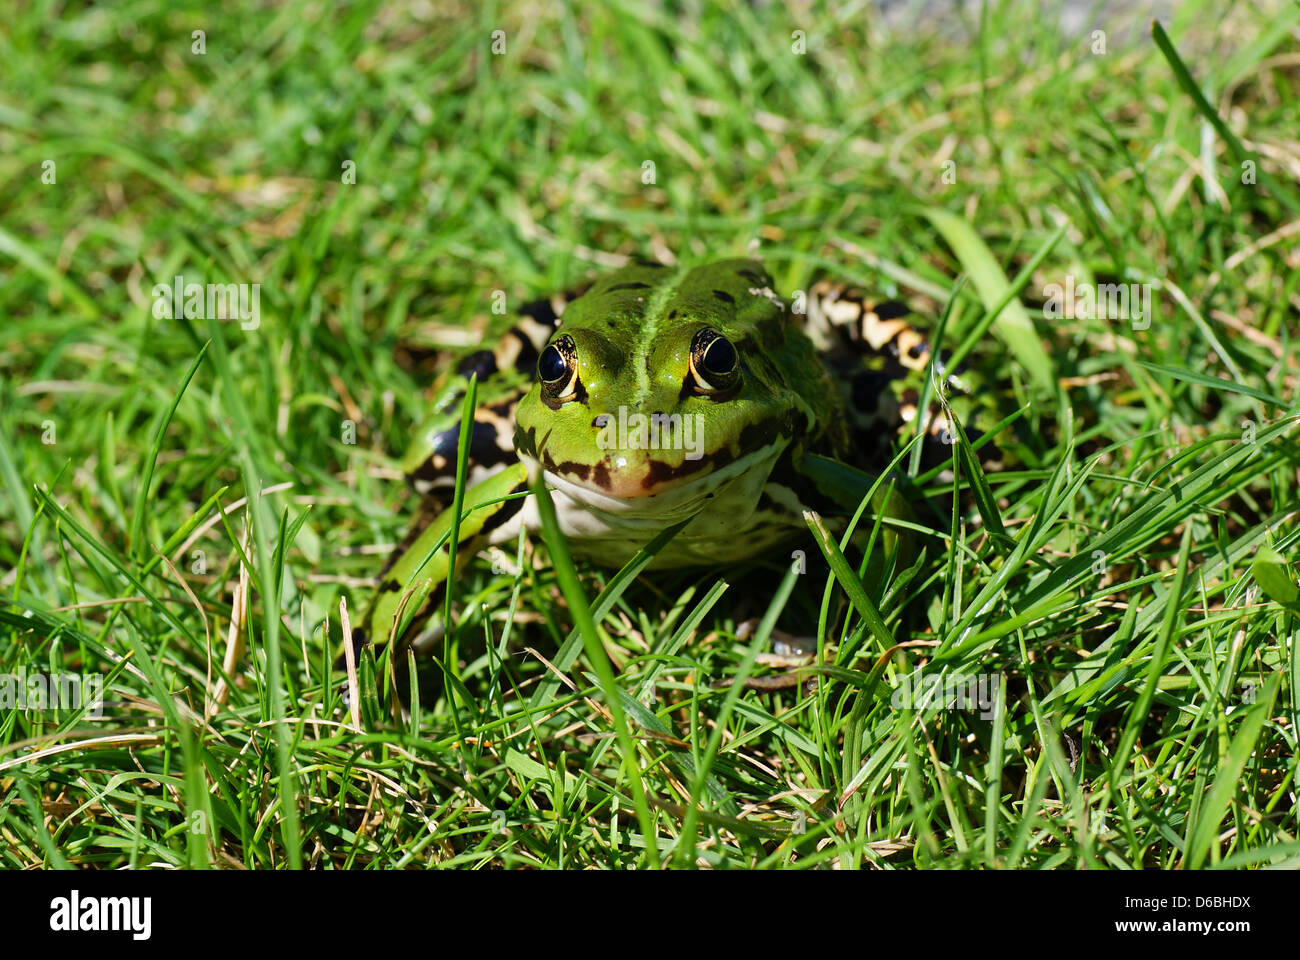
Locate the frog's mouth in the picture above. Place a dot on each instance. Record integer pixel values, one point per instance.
(655, 488)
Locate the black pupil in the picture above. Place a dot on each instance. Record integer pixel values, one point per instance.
(551, 365)
(720, 357)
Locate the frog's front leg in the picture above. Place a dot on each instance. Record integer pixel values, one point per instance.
(503, 375)
(413, 586)
(839, 489)
(412, 583)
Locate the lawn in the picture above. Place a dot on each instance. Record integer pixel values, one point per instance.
(1095, 666)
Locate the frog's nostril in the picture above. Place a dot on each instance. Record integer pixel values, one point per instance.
(600, 420)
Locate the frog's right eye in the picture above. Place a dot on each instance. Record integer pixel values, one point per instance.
(557, 368)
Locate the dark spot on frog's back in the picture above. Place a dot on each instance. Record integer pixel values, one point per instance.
(754, 277)
(483, 449)
(481, 362)
(540, 310)
(526, 442)
(635, 285)
(428, 470)
(573, 468)
(868, 387)
(724, 296)
(508, 509)
(359, 640)
(758, 435)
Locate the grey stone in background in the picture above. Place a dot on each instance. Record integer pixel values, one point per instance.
(952, 18)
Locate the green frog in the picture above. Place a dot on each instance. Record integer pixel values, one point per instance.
(659, 395)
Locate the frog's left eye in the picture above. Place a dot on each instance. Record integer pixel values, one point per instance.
(551, 365)
(557, 368)
(714, 363)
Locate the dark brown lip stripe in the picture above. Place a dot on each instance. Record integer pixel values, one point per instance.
(755, 436)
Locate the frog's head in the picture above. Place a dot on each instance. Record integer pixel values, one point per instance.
(661, 385)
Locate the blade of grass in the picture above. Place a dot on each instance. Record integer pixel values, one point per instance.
(1204, 834)
(1005, 313)
(1278, 189)
(686, 842)
(593, 641)
(151, 460)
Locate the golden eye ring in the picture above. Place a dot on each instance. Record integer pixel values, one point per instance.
(714, 363)
(557, 369)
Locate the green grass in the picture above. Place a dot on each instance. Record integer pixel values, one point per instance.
(176, 492)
